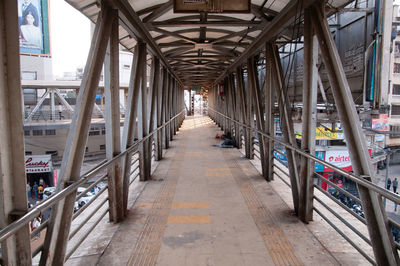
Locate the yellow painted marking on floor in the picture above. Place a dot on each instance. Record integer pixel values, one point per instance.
(217, 169)
(190, 205)
(144, 205)
(194, 154)
(192, 219)
(218, 174)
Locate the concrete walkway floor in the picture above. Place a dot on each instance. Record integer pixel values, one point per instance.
(208, 206)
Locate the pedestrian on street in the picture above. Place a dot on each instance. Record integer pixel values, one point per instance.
(395, 183)
(40, 191)
(389, 183)
(395, 205)
(35, 190)
(35, 224)
(28, 190)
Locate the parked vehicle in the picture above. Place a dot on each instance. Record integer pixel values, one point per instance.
(47, 192)
(76, 207)
(84, 199)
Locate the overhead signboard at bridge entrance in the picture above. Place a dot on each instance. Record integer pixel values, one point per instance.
(212, 6)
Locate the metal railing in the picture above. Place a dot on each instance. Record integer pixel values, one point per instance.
(37, 210)
(280, 169)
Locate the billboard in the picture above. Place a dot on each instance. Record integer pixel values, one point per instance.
(339, 158)
(33, 20)
(38, 163)
(323, 133)
(317, 166)
(381, 123)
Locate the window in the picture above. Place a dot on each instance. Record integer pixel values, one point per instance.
(396, 89)
(395, 110)
(53, 153)
(396, 68)
(50, 131)
(27, 132)
(29, 75)
(394, 132)
(397, 49)
(94, 133)
(37, 132)
(126, 67)
(102, 147)
(28, 153)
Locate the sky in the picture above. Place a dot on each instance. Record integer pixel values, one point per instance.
(70, 37)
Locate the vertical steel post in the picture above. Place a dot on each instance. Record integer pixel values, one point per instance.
(52, 105)
(269, 116)
(250, 119)
(286, 119)
(309, 119)
(57, 235)
(254, 87)
(171, 107)
(143, 122)
(243, 108)
(238, 133)
(154, 79)
(227, 126)
(130, 124)
(379, 230)
(13, 197)
(166, 105)
(112, 118)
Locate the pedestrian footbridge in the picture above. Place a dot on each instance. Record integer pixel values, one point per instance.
(206, 205)
(271, 74)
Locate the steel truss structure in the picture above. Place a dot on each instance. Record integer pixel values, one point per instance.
(207, 50)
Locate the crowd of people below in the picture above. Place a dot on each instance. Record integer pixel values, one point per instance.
(35, 191)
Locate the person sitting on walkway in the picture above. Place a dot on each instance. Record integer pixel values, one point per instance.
(229, 142)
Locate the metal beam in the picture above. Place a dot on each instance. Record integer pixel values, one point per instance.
(112, 123)
(153, 106)
(164, 8)
(309, 118)
(254, 86)
(57, 235)
(269, 116)
(38, 106)
(286, 119)
(143, 128)
(159, 135)
(130, 125)
(380, 233)
(135, 26)
(165, 105)
(232, 23)
(13, 197)
(269, 32)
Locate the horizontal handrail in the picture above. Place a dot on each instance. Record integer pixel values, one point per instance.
(352, 176)
(366, 256)
(12, 228)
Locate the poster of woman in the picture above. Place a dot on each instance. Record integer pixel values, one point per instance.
(30, 17)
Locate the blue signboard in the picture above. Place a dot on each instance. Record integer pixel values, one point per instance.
(319, 154)
(319, 167)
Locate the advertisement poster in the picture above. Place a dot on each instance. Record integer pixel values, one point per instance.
(319, 154)
(33, 27)
(339, 159)
(38, 163)
(381, 123)
(322, 133)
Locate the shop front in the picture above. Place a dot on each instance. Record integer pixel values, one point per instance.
(39, 169)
